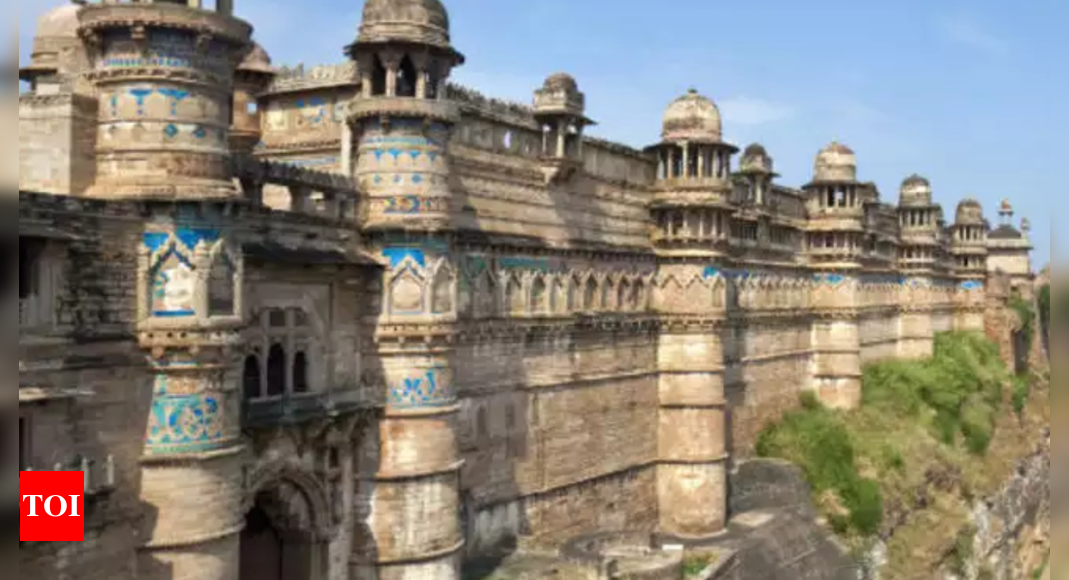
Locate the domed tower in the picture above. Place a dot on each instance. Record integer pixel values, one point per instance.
(163, 73)
(692, 203)
(968, 250)
(559, 107)
(1009, 249)
(401, 125)
(693, 210)
(402, 122)
(252, 77)
(919, 221)
(835, 204)
(969, 244)
(58, 55)
(756, 173)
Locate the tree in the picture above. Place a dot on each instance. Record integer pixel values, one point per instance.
(1044, 306)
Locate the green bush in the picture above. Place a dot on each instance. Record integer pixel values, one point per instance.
(1021, 391)
(816, 439)
(959, 389)
(1028, 316)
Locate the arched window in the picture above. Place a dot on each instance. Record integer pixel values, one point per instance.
(300, 373)
(378, 79)
(514, 297)
(622, 295)
(590, 295)
(251, 382)
(406, 79)
(539, 304)
(276, 371)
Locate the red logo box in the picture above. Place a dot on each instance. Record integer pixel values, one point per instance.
(52, 506)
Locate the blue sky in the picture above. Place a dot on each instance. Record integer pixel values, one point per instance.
(963, 92)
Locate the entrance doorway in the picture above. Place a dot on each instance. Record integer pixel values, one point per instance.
(279, 542)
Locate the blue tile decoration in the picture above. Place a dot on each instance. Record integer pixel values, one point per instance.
(428, 389)
(185, 424)
(830, 279)
(200, 132)
(175, 96)
(710, 272)
(536, 264)
(172, 273)
(406, 205)
(399, 255)
(155, 240)
(191, 237)
(170, 130)
(417, 179)
(972, 285)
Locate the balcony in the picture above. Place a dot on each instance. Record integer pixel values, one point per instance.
(297, 409)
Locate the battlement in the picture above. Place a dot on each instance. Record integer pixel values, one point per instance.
(317, 193)
(300, 78)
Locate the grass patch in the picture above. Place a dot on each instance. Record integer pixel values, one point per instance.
(929, 437)
(695, 564)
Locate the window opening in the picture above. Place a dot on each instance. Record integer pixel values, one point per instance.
(300, 373)
(276, 371)
(250, 378)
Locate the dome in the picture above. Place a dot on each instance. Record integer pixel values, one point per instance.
(915, 191)
(970, 213)
(257, 61)
(417, 21)
(692, 117)
(57, 29)
(561, 82)
(1006, 207)
(836, 162)
(61, 22)
(756, 159)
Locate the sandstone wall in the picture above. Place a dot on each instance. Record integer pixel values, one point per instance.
(57, 143)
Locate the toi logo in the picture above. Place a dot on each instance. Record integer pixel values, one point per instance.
(52, 506)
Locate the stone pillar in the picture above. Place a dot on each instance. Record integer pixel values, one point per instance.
(836, 341)
(189, 313)
(916, 337)
(164, 78)
(413, 489)
(692, 437)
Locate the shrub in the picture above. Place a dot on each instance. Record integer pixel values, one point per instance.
(1028, 316)
(817, 440)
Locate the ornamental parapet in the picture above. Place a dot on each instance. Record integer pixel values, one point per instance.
(702, 197)
(693, 184)
(288, 80)
(404, 107)
(97, 17)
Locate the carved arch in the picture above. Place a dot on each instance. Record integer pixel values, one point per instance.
(318, 501)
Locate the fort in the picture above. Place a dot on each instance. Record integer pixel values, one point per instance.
(355, 321)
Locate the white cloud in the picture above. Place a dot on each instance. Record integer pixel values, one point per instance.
(965, 30)
(750, 111)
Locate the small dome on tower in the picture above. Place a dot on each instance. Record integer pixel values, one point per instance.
(417, 21)
(836, 162)
(560, 82)
(970, 213)
(56, 30)
(257, 61)
(915, 191)
(1006, 207)
(692, 117)
(756, 159)
(61, 22)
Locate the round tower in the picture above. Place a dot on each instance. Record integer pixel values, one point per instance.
(560, 109)
(835, 243)
(692, 203)
(968, 249)
(969, 243)
(58, 53)
(401, 122)
(253, 75)
(919, 221)
(692, 208)
(401, 125)
(164, 75)
(163, 72)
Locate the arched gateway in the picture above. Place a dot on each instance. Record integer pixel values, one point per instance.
(288, 527)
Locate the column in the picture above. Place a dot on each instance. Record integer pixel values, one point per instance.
(701, 161)
(686, 160)
(836, 341)
(561, 129)
(692, 432)
(192, 464)
(412, 485)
